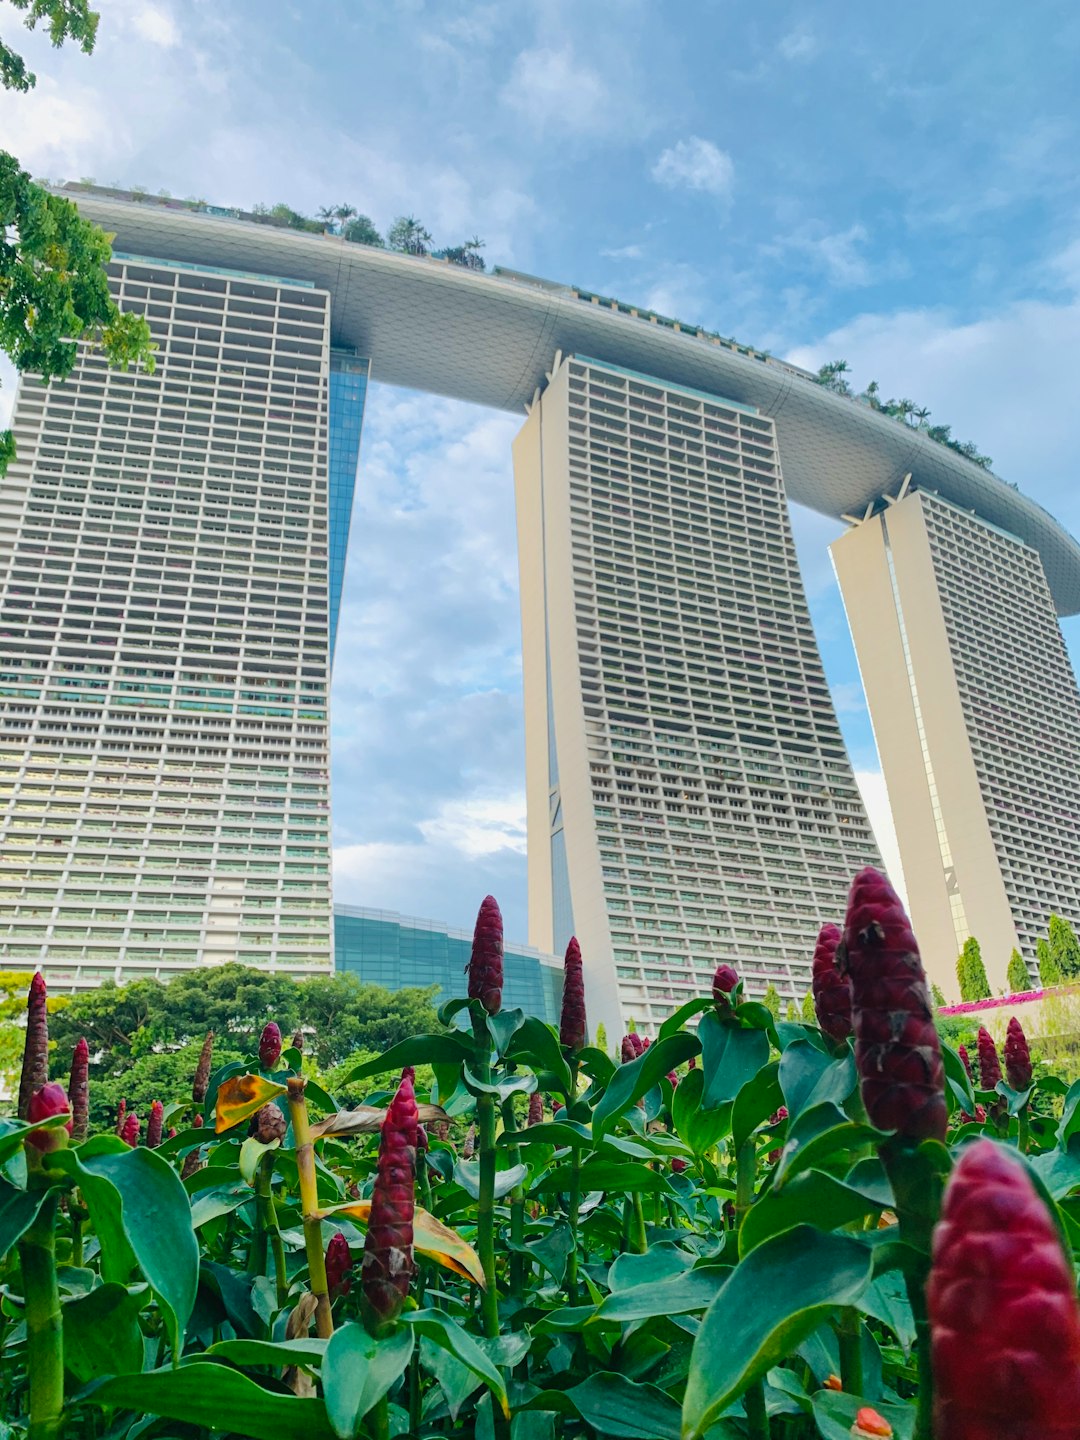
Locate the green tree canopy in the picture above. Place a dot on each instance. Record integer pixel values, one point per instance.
(1049, 972)
(408, 235)
(53, 286)
(1064, 947)
(771, 1000)
(808, 1013)
(971, 972)
(1018, 976)
(937, 995)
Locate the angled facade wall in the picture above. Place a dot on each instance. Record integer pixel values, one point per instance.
(690, 798)
(977, 721)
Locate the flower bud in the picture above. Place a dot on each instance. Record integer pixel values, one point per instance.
(869, 1425)
(269, 1046)
(536, 1108)
(130, 1132)
(388, 1246)
(572, 1024)
(121, 1111)
(1004, 1320)
(833, 1382)
(50, 1100)
(678, 1165)
(79, 1090)
(989, 1064)
(155, 1125)
(298, 1041)
(35, 1058)
(270, 1124)
(338, 1265)
(831, 990)
(485, 965)
(965, 1060)
(897, 1050)
(201, 1083)
(632, 1046)
(468, 1148)
(725, 982)
(1017, 1057)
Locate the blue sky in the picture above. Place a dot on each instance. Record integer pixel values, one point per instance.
(895, 187)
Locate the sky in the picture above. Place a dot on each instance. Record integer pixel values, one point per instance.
(895, 188)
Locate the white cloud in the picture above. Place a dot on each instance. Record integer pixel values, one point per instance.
(696, 164)
(155, 23)
(871, 785)
(624, 252)
(554, 91)
(799, 44)
(479, 827)
(838, 254)
(62, 130)
(847, 698)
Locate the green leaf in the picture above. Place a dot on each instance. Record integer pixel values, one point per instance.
(251, 1152)
(631, 1081)
(357, 1372)
(101, 1331)
(770, 1303)
(444, 1332)
(218, 1200)
(730, 1056)
(613, 1405)
(217, 1397)
(503, 1027)
(503, 1087)
(467, 1175)
(664, 1261)
(808, 1077)
(609, 1175)
(142, 1217)
(685, 1012)
(597, 1064)
(700, 1128)
(452, 1008)
(758, 1099)
(456, 1380)
(549, 1132)
(419, 1050)
(1059, 1170)
(956, 1078)
(886, 1298)
(679, 1296)
(817, 1133)
(810, 1198)
(306, 1352)
(835, 1414)
(537, 1045)
(18, 1211)
(553, 1249)
(14, 1132)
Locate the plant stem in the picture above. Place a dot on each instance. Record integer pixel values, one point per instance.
(517, 1204)
(745, 1175)
(1025, 1130)
(78, 1218)
(638, 1241)
(917, 1192)
(309, 1204)
(267, 1221)
(757, 1422)
(850, 1336)
(380, 1419)
(44, 1329)
(485, 1212)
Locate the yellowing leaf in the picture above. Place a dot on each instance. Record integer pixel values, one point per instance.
(239, 1097)
(430, 1237)
(367, 1120)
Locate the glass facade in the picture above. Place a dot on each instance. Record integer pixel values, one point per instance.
(384, 948)
(348, 389)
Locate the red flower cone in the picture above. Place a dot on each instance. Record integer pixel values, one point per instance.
(965, 1060)
(632, 1047)
(485, 965)
(897, 1050)
(1017, 1057)
(572, 1025)
(536, 1108)
(989, 1064)
(121, 1111)
(388, 1247)
(338, 1265)
(35, 1060)
(269, 1046)
(201, 1083)
(1004, 1321)
(832, 991)
(725, 982)
(50, 1100)
(130, 1132)
(155, 1125)
(79, 1090)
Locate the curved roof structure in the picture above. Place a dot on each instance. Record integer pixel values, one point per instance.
(490, 338)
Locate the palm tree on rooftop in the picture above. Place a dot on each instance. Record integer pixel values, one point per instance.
(409, 236)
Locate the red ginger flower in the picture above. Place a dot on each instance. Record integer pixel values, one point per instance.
(632, 1047)
(869, 1424)
(897, 1050)
(388, 1247)
(724, 981)
(50, 1100)
(130, 1131)
(79, 1090)
(1017, 1057)
(201, 1082)
(1004, 1321)
(965, 1060)
(536, 1108)
(989, 1064)
(678, 1165)
(832, 991)
(269, 1046)
(155, 1125)
(35, 1059)
(338, 1265)
(485, 965)
(572, 1023)
(774, 1119)
(121, 1111)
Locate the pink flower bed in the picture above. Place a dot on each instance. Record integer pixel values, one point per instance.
(1022, 997)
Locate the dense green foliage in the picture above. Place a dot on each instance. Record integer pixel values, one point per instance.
(971, 972)
(1064, 948)
(1018, 977)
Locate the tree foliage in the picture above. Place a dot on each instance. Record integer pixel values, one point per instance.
(1018, 976)
(971, 972)
(1049, 971)
(771, 1000)
(1064, 947)
(53, 287)
(409, 236)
